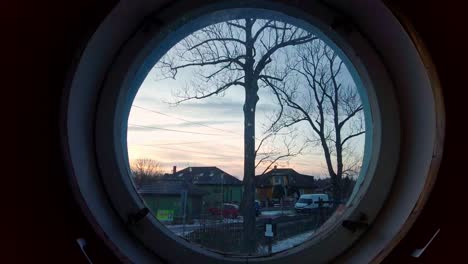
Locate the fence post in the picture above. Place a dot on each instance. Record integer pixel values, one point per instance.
(320, 205)
(269, 233)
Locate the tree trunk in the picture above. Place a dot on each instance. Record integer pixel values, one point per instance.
(338, 146)
(337, 190)
(251, 99)
(249, 169)
(335, 177)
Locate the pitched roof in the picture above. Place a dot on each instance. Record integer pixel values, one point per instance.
(170, 187)
(205, 175)
(294, 178)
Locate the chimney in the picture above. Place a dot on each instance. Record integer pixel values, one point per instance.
(275, 167)
(174, 170)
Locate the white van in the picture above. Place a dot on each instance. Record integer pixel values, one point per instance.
(309, 202)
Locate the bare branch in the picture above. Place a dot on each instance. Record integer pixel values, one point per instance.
(350, 115)
(216, 39)
(261, 142)
(351, 136)
(215, 92)
(236, 25)
(270, 24)
(292, 42)
(205, 63)
(288, 154)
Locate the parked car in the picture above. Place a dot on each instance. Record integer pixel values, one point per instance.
(308, 203)
(227, 211)
(275, 202)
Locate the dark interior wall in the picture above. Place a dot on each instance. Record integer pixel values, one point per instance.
(41, 221)
(442, 26)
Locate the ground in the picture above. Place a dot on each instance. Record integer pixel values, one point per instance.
(225, 234)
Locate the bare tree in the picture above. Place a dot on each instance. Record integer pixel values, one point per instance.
(277, 147)
(228, 54)
(320, 92)
(145, 171)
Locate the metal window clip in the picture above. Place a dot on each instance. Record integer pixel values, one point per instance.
(82, 243)
(353, 226)
(137, 217)
(419, 251)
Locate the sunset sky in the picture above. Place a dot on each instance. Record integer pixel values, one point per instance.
(207, 132)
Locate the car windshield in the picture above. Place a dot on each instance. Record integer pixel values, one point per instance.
(304, 200)
(230, 206)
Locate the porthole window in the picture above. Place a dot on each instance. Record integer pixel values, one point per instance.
(251, 106)
(234, 132)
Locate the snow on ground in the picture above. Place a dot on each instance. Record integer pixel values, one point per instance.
(197, 223)
(288, 242)
(182, 229)
(278, 213)
(291, 242)
(180, 226)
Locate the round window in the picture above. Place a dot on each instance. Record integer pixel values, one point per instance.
(248, 132)
(238, 132)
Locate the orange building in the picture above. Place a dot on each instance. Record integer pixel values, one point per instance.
(293, 183)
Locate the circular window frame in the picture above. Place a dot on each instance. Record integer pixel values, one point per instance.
(120, 88)
(127, 244)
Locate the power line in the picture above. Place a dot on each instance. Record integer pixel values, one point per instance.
(205, 153)
(185, 120)
(190, 151)
(174, 130)
(178, 143)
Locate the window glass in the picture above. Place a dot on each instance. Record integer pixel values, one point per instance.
(256, 110)
(304, 200)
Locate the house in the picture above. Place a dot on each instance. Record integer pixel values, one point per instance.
(219, 185)
(292, 182)
(166, 199)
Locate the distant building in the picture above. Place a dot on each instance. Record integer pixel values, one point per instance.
(164, 198)
(219, 185)
(294, 183)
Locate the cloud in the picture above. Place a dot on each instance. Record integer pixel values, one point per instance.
(201, 123)
(213, 106)
(139, 129)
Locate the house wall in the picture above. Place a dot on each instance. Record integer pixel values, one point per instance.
(196, 206)
(263, 194)
(173, 202)
(306, 190)
(233, 194)
(217, 194)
